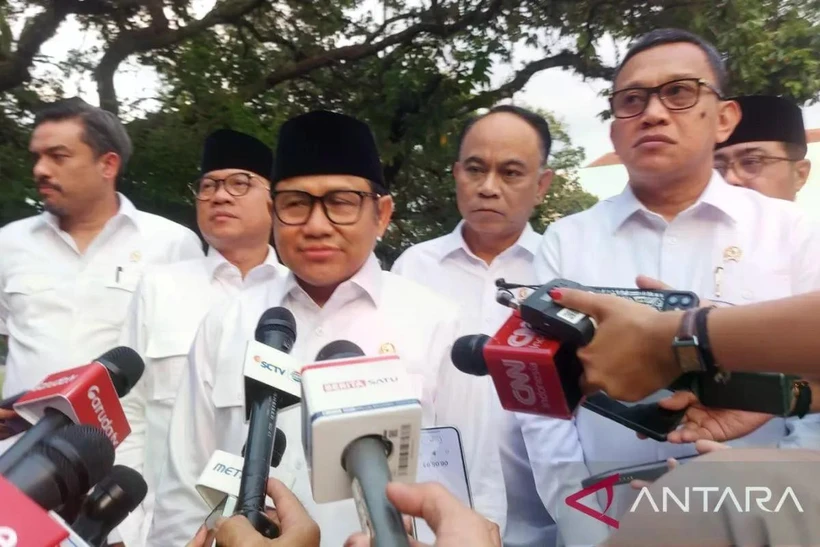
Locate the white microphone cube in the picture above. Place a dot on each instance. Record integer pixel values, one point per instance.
(223, 474)
(265, 366)
(346, 399)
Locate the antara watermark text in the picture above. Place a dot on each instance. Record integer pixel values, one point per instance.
(713, 498)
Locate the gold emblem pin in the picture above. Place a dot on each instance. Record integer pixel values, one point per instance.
(386, 348)
(136, 256)
(732, 254)
(523, 293)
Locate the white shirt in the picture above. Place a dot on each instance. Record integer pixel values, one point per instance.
(618, 238)
(447, 265)
(62, 309)
(373, 309)
(168, 306)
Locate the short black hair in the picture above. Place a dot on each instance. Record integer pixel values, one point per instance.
(663, 36)
(102, 130)
(536, 121)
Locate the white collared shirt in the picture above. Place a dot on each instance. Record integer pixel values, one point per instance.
(777, 250)
(374, 309)
(447, 265)
(62, 309)
(168, 306)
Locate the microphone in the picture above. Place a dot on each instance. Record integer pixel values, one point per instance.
(272, 381)
(531, 373)
(362, 412)
(86, 395)
(111, 500)
(62, 468)
(221, 477)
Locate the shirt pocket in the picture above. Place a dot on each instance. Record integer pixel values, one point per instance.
(118, 290)
(168, 352)
(754, 285)
(34, 300)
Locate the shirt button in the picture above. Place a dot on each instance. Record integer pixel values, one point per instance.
(747, 294)
(320, 331)
(672, 240)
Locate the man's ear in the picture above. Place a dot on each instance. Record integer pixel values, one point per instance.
(803, 168)
(110, 165)
(729, 115)
(544, 183)
(384, 212)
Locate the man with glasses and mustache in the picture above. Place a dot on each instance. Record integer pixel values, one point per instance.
(331, 204)
(678, 223)
(234, 213)
(767, 150)
(67, 276)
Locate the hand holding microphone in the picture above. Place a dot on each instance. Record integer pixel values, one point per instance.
(290, 516)
(361, 423)
(454, 524)
(271, 382)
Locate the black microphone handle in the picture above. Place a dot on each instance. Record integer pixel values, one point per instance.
(52, 420)
(366, 464)
(93, 532)
(37, 479)
(256, 466)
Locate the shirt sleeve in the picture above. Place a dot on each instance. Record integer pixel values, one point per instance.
(547, 261)
(467, 402)
(179, 510)
(4, 307)
(131, 452)
(188, 247)
(806, 261)
(558, 467)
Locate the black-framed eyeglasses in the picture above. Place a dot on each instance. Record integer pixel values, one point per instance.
(237, 185)
(680, 94)
(748, 166)
(342, 207)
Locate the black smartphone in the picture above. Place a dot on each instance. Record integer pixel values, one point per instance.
(646, 418)
(646, 471)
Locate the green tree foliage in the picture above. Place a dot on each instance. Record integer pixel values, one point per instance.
(415, 71)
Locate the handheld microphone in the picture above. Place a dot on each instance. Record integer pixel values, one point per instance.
(108, 504)
(531, 373)
(363, 413)
(62, 468)
(271, 381)
(85, 395)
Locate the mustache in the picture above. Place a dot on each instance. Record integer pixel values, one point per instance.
(42, 183)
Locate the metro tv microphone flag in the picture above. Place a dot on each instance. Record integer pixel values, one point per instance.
(86, 395)
(272, 381)
(361, 426)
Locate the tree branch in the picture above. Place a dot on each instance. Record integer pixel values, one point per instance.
(156, 36)
(565, 59)
(15, 67)
(359, 51)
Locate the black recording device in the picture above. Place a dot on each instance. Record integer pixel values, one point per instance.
(649, 472)
(554, 321)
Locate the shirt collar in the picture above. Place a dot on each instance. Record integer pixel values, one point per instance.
(126, 210)
(214, 261)
(718, 195)
(529, 240)
(367, 280)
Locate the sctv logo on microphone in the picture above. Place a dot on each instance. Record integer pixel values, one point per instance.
(294, 375)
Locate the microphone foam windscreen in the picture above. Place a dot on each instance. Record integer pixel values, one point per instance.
(339, 349)
(87, 449)
(468, 354)
(280, 443)
(125, 367)
(280, 319)
(131, 483)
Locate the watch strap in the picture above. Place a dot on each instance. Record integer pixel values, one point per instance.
(802, 398)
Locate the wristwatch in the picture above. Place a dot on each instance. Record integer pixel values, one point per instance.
(686, 345)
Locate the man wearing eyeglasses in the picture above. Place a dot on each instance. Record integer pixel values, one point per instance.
(678, 222)
(767, 150)
(234, 215)
(331, 205)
